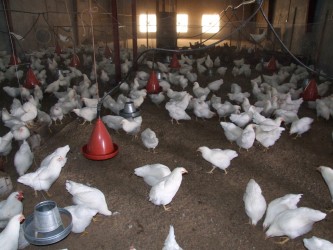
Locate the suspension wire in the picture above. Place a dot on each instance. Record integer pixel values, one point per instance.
(289, 52)
(260, 2)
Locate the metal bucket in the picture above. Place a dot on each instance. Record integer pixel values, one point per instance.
(47, 217)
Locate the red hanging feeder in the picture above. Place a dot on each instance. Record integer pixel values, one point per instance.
(14, 60)
(31, 80)
(100, 145)
(271, 66)
(174, 62)
(107, 52)
(75, 62)
(153, 87)
(310, 92)
(58, 50)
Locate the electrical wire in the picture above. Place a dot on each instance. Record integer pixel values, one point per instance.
(288, 51)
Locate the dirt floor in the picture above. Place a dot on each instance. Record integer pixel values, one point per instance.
(208, 210)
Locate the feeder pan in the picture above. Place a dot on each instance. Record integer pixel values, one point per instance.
(107, 52)
(100, 146)
(153, 87)
(48, 224)
(129, 111)
(58, 50)
(14, 60)
(174, 62)
(310, 92)
(31, 80)
(272, 64)
(75, 62)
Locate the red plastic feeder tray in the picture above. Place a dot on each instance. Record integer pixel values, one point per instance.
(153, 87)
(174, 62)
(75, 62)
(31, 80)
(310, 92)
(100, 146)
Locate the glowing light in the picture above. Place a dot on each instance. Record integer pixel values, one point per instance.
(210, 23)
(147, 21)
(182, 23)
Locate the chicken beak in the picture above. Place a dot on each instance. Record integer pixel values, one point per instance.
(184, 171)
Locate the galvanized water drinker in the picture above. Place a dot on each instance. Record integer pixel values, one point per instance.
(48, 224)
(129, 111)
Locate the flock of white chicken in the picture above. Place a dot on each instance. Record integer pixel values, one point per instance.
(275, 100)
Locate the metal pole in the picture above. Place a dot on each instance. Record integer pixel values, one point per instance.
(147, 29)
(10, 25)
(292, 29)
(115, 29)
(134, 35)
(321, 38)
(74, 23)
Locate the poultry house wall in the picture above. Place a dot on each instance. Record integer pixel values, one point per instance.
(294, 29)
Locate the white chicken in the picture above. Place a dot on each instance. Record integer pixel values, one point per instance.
(199, 91)
(201, 109)
(176, 113)
(132, 126)
(231, 131)
(6, 144)
(56, 113)
(88, 114)
(157, 98)
(327, 174)
(23, 158)
(152, 173)
(21, 133)
(267, 138)
(81, 217)
(300, 126)
(170, 242)
(164, 191)
(225, 109)
(90, 197)
(61, 151)
(246, 139)
(10, 207)
(9, 237)
(43, 178)
(113, 121)
(315, 243)
(278, 205)
(149, 139)
(217, 157)
(294, 223)
(254, 201)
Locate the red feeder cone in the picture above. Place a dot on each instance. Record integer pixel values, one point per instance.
(31, 80)
(58, 50)
(100, 145)
(153, 87)
(310, 92)
(174, 62)
(107, 52)
(14, 60)
(75, 62)
(272, 64)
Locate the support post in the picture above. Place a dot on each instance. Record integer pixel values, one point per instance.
(115, 28)
(10, 25)
(134, 35)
